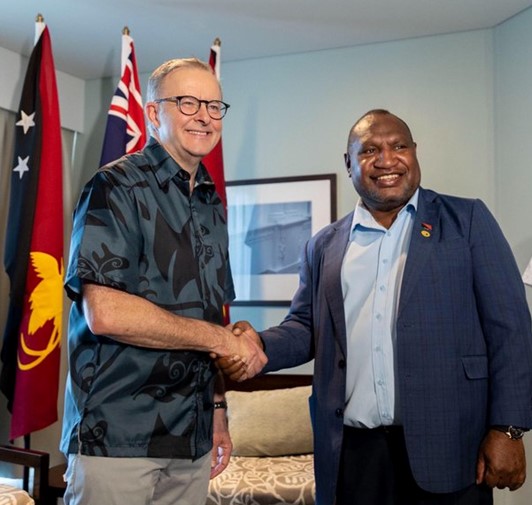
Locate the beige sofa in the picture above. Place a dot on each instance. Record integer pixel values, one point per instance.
(272, 461)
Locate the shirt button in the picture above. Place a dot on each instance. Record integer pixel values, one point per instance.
(339, 412)
(341, 363)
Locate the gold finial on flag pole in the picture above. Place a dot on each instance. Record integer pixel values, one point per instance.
(217, 42)
(39, 27)
(125, 31)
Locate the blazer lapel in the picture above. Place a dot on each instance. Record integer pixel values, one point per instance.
(333, 255)
(425, 234)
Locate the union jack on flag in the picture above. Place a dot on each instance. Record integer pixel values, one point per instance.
(126, 129)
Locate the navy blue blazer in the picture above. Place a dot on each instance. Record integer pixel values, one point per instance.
(464, 342)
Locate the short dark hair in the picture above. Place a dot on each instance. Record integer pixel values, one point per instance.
(376, 112)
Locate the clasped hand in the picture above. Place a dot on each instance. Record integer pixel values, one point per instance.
(247, 358)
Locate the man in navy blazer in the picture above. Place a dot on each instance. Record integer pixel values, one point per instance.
(414, 311)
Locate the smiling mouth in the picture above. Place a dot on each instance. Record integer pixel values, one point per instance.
(388, 178)
(199, 133)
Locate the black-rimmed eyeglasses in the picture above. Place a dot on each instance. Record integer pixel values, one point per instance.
(190, 105)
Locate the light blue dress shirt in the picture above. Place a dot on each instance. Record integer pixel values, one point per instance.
(372, 272)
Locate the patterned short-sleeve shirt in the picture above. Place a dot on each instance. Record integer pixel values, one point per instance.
(138, 228)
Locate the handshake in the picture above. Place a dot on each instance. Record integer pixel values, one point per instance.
(242, 355)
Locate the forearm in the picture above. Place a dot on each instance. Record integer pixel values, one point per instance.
(136, 321)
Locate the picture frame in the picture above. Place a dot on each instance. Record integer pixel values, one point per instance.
(269, 223)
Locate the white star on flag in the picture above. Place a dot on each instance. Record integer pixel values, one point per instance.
(22, 166)
(26, 121)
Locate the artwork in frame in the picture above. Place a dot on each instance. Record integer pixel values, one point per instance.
(269, 222)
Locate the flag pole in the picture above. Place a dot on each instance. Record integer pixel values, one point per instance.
(39, 27)
(214, 162)
(39, 21)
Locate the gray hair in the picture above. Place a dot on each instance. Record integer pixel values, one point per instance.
(158, 75)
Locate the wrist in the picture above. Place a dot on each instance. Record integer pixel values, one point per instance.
(221, 343)
(512, 432)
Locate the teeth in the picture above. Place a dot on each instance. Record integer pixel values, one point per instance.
(388, 177)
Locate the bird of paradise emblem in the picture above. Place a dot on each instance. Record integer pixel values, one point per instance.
(46, 304)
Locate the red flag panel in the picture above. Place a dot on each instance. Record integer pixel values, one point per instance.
(214, 161)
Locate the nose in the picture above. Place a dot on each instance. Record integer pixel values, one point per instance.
(386, 158)
(202, 113)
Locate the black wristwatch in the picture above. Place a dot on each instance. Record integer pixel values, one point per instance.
(512, 432)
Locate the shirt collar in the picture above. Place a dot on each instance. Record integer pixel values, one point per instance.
(165, 167)
(363, 218)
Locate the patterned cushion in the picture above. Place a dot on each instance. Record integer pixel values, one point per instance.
(270, 423)
(265, 481)
(10, 495)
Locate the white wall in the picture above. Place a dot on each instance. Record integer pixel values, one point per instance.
(513, 132)
(513, 175)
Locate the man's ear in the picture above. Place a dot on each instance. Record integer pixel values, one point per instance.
(347, 161)
(151, 114)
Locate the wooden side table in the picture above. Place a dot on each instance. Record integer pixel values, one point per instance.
(56, 484)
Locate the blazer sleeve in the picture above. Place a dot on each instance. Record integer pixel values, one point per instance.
(505, 320)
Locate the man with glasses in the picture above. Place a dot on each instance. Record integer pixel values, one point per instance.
(149, 275)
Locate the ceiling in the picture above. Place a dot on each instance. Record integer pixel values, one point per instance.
(86, 35)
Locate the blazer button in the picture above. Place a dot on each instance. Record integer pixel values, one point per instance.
(339, 412)
(341, 363)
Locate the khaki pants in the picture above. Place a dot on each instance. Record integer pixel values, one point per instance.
(94, 480)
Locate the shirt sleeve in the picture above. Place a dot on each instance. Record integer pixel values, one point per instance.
(105, 238)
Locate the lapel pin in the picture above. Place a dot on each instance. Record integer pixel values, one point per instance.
(427, 228)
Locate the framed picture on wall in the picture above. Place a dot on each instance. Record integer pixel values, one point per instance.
(269, 222)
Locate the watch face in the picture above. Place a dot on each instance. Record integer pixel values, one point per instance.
(515, 433)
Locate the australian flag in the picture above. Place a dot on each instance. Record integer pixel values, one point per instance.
(126, 129)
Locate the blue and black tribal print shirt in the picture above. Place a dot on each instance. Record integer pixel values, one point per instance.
(137, 228)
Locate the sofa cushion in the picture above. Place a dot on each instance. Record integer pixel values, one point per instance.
(265, 481)
(270, 423)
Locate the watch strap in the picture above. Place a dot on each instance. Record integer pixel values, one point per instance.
(512, 432)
